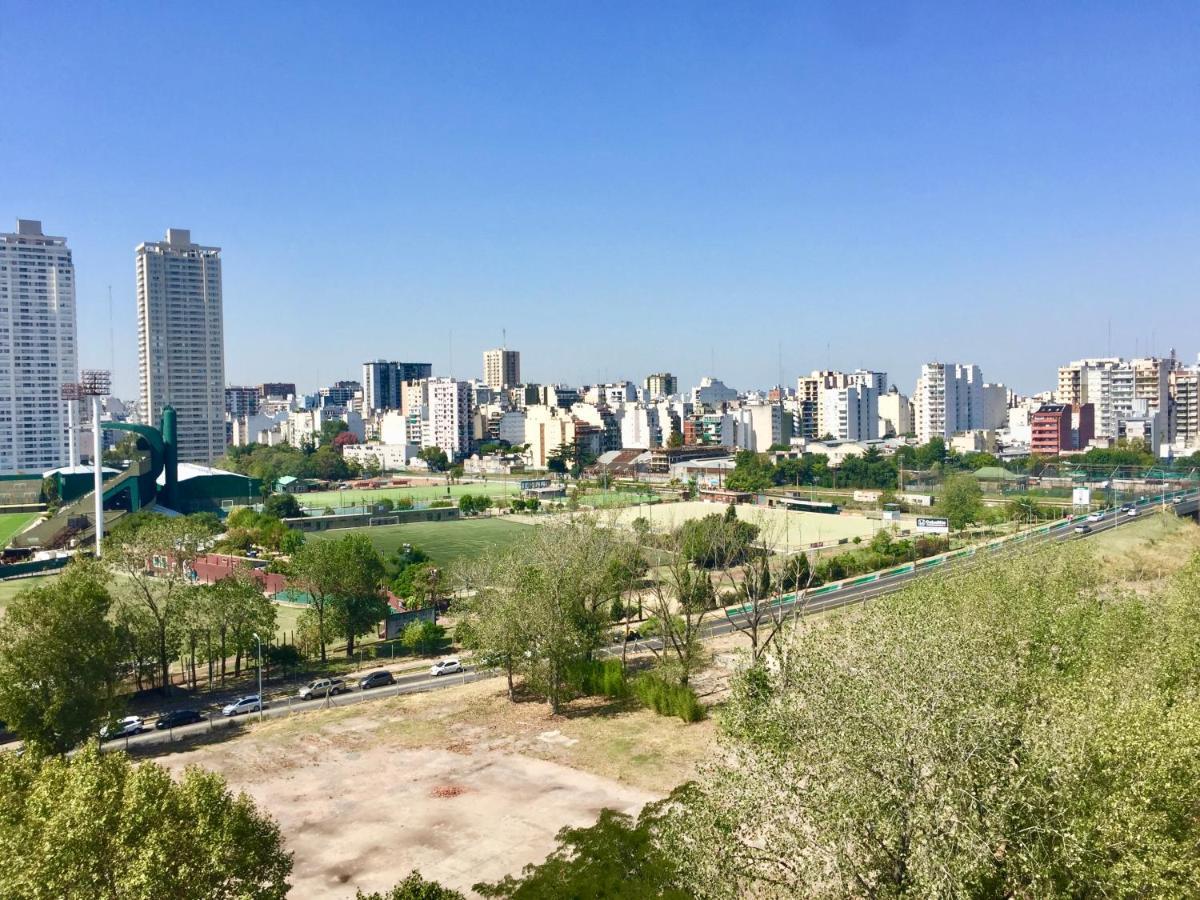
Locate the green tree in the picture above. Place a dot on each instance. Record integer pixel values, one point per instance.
(1013, 730)
(330, 429)
(154, 565)
(543, 604)
(435, 458)
(961, 501)
(675, 440)
(283, 506)
(424, 637)
(751, 472)
(414, 887)
(236, 609)
(59, 660)
(316, 569)
(98, 825)
(358, 602)
(617, 857)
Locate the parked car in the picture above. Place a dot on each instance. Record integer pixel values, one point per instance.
(1096, 517)
(123, 728)
(1083, 528)
(375, 679)
(177, 717)
(323, 687)
(249, 703)
(445, 667)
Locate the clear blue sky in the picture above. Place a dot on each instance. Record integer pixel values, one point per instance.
(627, 188)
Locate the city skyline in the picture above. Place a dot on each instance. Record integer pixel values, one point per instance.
(700, 211)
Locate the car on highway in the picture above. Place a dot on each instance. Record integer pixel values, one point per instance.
(323, 687)
(123, 728)
(177, 717)
(1083, 528)
(375, 679)
(1096, 517)
(445, 667)
(249, 703)
(1131, 512)
(1178, 499)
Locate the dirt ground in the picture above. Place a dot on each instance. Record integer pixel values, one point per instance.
(460, 784)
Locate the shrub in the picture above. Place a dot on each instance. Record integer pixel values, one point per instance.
(599, 678)
(667, 698)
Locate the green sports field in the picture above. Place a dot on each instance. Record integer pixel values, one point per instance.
(11, 523)
(445, 542)
(321, 499)
(13, 586)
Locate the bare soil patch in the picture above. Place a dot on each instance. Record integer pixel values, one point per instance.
(460, 784)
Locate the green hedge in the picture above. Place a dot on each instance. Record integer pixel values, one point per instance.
(599, 678)
(667, 698)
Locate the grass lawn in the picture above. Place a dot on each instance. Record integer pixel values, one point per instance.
(14, 586)
(445, 542)
(11, 523)
(320, 499)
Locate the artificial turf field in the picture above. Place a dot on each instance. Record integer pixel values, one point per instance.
(11, 523)
(356, 497)
(445, 542)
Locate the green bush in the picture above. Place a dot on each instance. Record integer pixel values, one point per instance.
(667, 698)
(599, 678)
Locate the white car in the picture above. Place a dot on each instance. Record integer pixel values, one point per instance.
(249, 703)
(1096, 517)
(1131, 512)
(445, 667)
(123, 728)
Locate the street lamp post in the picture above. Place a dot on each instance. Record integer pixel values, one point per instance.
(260, 694)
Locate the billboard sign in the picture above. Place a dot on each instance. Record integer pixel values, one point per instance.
(933, 526)
(1081, 497)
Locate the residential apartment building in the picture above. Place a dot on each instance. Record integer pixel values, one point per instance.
(1051, 429)
(38, 349)
(382, 382)
(241, 401)
(948, 399)
(502, 368)
(446, 416)
(1184, 389)
(546, 429)
(712, 393)
(1114, 386)
(895, 414)
(660, 385)
(181, 347)
(277, 390)
(759, 427)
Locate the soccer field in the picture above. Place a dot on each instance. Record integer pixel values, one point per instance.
(11, 523)
(785, 529)
(445, 542)
(357, 497)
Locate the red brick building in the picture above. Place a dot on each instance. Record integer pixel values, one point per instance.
(1051, 426)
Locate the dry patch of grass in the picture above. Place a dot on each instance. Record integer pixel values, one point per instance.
(1145, 552)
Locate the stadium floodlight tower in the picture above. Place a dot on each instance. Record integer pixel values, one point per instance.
(72, 394)
(97, 383)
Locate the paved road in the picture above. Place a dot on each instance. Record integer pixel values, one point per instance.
(720, 624)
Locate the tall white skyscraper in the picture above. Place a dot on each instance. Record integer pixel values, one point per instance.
(948, 399)
(38, 350)
(181, 348)
(502, 368)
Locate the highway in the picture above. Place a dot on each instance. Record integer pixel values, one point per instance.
(828, 597)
